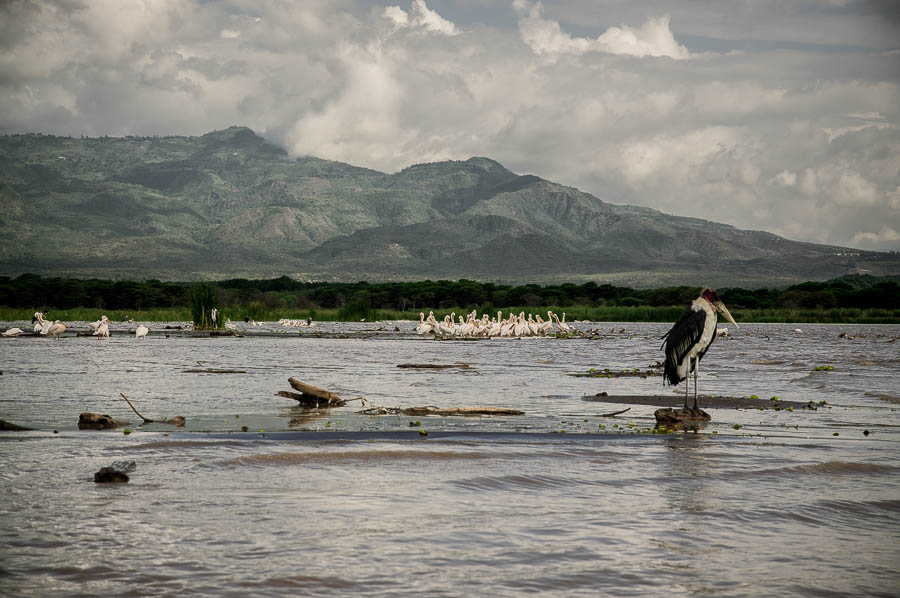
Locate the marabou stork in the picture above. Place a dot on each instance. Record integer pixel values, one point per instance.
(689, 340)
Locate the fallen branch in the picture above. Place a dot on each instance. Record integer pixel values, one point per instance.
(615, 413)
(146, 420)
(178, 420)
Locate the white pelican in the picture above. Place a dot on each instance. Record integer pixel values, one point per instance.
(424, 326)
(141, 331)
(532, 325)
(690, 338)
(42, 325)
(56, 329)
(544, 327)
(12, 332)
(520, 327)
(102, 330)
(229, 325)
(722, 331)
(563, 327)
(445, 327)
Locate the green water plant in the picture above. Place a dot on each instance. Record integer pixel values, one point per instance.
(204, 300)
(823, 368)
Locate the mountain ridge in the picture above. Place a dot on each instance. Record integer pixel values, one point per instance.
(230, 204)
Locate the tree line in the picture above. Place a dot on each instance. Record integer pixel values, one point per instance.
(33, 291)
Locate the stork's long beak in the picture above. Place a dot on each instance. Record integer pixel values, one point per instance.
(721, 307)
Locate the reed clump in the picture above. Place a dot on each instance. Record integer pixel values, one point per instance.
(204, 299)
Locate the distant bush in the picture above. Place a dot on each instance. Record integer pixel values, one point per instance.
(861, 299)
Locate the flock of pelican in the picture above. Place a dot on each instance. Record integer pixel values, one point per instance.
(45, 327)
(473, 326)
(303, 323)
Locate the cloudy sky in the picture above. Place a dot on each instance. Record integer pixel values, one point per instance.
(779, 115)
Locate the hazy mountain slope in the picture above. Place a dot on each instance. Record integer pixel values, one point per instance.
(230, 204)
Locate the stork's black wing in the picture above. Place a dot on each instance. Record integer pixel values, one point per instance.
(680, 339)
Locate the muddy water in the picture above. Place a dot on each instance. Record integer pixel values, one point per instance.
(334, 503)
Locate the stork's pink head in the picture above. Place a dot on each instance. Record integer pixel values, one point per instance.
(717, 304)
(710, 295)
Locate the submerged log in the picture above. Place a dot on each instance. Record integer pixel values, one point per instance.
(434, 366)
(444, 411)
(11, 427)
(681, 417)
(308, 400)
(96, 421)
(710, 402)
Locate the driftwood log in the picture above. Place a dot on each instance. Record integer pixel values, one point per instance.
(313, 396)
(434, 366)
(445, 411)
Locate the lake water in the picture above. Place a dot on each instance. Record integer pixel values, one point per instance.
(559, 501)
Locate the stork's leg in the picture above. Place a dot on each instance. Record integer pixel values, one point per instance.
(696, 375)
(687, 384)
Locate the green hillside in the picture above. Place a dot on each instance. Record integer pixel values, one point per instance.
(229, 204)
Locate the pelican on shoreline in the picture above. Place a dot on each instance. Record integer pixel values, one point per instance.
(56, 329)
(41, 326)
(102, 330)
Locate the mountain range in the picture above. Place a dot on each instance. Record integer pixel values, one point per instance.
(229, 204)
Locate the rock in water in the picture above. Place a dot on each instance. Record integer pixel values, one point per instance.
(117, 473)
(95, 421)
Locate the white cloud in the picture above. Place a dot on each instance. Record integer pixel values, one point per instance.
(420, 16)
(785, 178)
(545, 36)
(795, 140)
(885, 236)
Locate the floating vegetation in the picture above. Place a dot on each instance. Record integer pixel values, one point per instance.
(823, 368)
(608, 373)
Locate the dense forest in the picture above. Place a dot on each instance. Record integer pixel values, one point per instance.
(30, 291)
